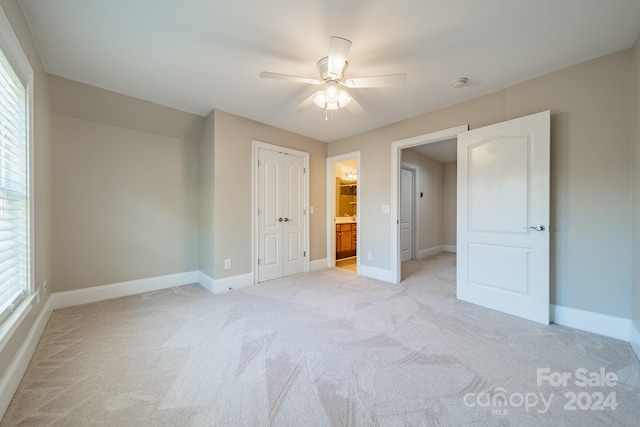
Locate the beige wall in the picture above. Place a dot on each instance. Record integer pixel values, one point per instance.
(591, 175)
(41, 186)
(126, 204)
(126, 195)
(232, 213)
(206, 177)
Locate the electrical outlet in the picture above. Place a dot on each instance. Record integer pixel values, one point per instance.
(369, 255)
(386, 209)
(227, 264)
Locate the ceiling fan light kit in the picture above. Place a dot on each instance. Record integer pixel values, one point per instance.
(331, 98)
(332, 69)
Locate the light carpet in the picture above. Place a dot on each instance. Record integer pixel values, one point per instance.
(326, 348)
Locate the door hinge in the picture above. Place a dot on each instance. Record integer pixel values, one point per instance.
(258, 162)
(258, 261)
(304, 254)
(304, 170)
(258, 212)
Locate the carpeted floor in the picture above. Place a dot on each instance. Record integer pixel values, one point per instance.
(327, 348)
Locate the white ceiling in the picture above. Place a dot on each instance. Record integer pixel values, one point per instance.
(198, 55)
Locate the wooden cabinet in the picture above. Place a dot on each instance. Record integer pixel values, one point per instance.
(346, 238)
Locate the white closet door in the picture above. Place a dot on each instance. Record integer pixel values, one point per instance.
(281, 198)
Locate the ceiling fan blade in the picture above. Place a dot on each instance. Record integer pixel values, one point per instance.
(278, 76)
(305, 104)
(338, 51)
(391, 80)
(354, 107)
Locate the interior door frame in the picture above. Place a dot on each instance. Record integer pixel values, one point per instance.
(396, 167)
(331, 207)
(255, 146)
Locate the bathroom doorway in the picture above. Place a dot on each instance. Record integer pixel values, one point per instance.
(343, 213)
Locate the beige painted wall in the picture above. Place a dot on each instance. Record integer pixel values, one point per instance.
(126, 204)
(125, 190)
(232, 211)
(41, 186)
(206, 177)
(449, 203)
(591, 175)
(429, 207)
(75, 99)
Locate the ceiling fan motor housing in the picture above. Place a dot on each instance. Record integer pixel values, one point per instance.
(323, 69)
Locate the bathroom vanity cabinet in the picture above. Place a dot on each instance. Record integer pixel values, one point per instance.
(346, 237)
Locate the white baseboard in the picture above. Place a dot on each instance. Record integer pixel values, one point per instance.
(634, 337)
(123, 289)
(216, 286)
(14, 373)
(206, 281)
(318, 264)
(426, 253)
(376, 273)
(601, 324)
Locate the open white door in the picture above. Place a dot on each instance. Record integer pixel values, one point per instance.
(406, 214)
(503, 217)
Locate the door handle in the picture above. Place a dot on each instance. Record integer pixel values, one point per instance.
(279, 219)
(287, 220)
(538, 227)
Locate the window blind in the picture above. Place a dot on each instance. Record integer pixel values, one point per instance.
(14, 190)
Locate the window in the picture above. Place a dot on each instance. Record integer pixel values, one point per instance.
(15, 265)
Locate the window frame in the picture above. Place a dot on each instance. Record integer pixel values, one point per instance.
(15, 55)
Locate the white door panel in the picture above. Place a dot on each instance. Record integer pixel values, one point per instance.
(406, 215)
(503, 193)
(498, 180)
(270, 234)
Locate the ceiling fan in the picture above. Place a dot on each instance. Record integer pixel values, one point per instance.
(332, 69)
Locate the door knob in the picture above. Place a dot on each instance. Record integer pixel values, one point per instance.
(286, 220)
(539, 227)
(279, 219)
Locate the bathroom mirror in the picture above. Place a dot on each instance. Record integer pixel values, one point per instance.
(346, 192)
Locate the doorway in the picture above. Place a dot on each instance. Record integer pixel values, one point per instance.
(502, 227)
(437, 141)
(343, 211)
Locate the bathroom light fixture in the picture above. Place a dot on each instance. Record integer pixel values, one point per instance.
(351, 175)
